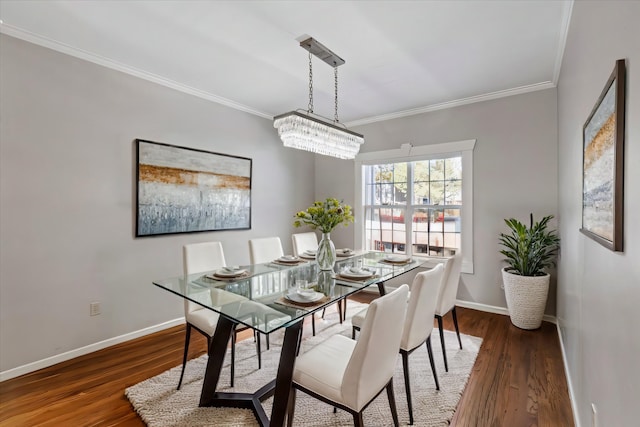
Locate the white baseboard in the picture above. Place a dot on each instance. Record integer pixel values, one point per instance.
(497, 310)
(50, 361)
(572, 396)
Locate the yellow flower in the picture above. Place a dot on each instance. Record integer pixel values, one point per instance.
(325, 215)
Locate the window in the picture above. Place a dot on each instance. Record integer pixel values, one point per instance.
(417, 200)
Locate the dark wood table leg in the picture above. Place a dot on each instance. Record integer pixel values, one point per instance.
(381, 288)
(285, 374)
(217, 351)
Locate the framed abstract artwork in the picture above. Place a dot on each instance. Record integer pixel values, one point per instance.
(184, 190)
(603, 164)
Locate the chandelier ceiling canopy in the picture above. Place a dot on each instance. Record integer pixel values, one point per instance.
(305, 130)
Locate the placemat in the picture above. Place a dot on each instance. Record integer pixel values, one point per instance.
(295, 304)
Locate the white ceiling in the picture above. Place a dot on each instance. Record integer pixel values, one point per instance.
(402, 57)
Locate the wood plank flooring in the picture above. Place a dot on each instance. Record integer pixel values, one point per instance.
(518, 379)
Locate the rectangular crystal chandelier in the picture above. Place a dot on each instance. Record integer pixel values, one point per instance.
(311, 132)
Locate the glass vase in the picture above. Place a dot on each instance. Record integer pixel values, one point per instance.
(326, 254)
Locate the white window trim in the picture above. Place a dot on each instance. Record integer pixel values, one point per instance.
(409, 153)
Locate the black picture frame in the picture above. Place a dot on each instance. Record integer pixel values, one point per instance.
(603, 164)
(187, 190)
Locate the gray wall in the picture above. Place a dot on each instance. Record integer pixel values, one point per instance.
(599, 291)
(515, 173)
(67, 198)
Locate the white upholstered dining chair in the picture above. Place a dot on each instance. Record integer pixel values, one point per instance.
(303, 242)
(350, 374)
(198, 258)
(265, 249)
(418, 323)
(262, 250)
(447, 301)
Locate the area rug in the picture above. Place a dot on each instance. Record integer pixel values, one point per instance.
(159, 404)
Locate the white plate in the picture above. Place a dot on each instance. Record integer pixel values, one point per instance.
(344, 252)
(396, 258)
(226, 273)
(289, 258)
(357, 275)
(295, 296)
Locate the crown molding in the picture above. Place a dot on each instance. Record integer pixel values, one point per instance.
(105, 62)
(562, 43)
(455, 103)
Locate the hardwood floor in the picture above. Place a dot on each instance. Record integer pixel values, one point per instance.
(518, 379)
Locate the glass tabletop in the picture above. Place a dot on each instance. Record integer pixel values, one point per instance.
(265, 297)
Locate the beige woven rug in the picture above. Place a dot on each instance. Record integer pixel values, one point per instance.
(159, 404)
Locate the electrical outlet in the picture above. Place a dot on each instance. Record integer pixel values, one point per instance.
(94, 309)
(594, 415)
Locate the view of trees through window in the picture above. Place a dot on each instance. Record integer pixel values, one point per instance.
(414, 204)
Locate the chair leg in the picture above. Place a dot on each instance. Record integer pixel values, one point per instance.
(407, 385)
(353, 332)
(259, 352)
(291, 407)
(340, 310)
(357, 419)
(344, 314)
(233, 355)
(455, 323)
(392, 403)
(266, 337)
(313, 324)
(186, 350)
(433, 365)
(444, 351)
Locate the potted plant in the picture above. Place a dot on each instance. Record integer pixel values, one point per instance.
(529, 253)
(326, 216)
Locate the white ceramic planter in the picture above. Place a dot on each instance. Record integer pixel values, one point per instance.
(526, 298)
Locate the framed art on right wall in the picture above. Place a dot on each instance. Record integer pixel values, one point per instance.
(603, 164)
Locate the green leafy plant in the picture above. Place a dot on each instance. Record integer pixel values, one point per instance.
(529, 251)
(325, 215)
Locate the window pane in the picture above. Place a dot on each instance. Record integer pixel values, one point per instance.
(372, 228)
(420, 218)
(421, 193)
(453, 192)
(421, 171)
(383, 173)
(453, 167)
(437, 192)
(384, 194)
(436, 169)
(400, 173)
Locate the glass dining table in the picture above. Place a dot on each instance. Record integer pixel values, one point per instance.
(265, 297)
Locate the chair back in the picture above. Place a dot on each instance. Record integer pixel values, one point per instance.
(373, 360)
(265, 249)
(198, 258)
(449, 292)
(304, 241)
(421, 307)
